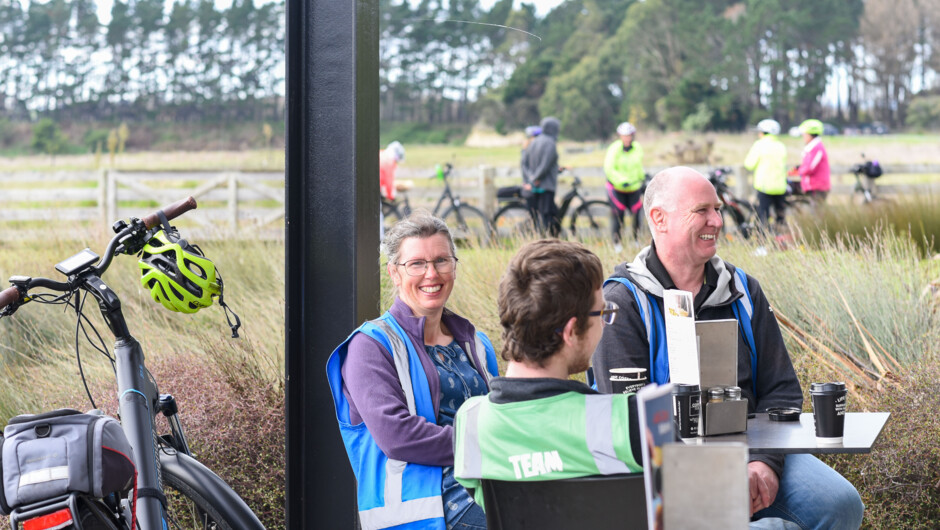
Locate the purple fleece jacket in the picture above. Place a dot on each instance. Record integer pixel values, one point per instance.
(370, 383)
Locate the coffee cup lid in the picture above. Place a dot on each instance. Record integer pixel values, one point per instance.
(827, 387)
(637, 372)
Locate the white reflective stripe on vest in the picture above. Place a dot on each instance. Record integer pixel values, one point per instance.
(481, 354)
(396, 512)
(472, 456)
(599, 434)
(44, 475)
(402, 366)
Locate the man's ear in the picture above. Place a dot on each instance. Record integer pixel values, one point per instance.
(658, 218)
(569, 333)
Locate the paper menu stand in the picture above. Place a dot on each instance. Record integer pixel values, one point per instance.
(681, 337)
(654, 412)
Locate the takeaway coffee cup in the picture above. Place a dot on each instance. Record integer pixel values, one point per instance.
(687, 407)
(627, 380)
(828, 411)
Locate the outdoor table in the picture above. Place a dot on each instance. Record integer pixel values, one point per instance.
(787, 437)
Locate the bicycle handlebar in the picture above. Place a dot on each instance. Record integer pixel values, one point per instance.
(9, 296)
(172, 211)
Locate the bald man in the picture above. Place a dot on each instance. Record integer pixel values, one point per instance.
(683, 213)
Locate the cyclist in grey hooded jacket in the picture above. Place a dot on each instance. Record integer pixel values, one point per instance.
(540, 175)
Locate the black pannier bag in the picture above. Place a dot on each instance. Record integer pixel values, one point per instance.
(872, 169)
(63, 451)
(509, 192)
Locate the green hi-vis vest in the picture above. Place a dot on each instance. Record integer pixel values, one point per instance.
(768, 160)
(624, 170)
(565, 436)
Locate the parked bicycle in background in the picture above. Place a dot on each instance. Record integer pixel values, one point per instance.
(739, 216)
(586, 218)
(171, 489)
(467, 223)
(866, 173)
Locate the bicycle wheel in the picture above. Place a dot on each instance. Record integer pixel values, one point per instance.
(187, 509)
(739, 220)
(513, 220)
(592, 221)
(390, 213)
(468, 224)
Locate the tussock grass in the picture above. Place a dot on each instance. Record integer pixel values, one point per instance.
(852, 308)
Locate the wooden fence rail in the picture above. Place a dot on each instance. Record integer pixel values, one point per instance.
(251, 204)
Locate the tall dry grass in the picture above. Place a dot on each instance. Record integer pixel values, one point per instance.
(230, 391)
(848, 305)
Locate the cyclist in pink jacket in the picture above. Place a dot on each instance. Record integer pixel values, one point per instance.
(814, 169)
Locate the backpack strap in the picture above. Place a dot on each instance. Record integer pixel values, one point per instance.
(655, 330)
(743, 309)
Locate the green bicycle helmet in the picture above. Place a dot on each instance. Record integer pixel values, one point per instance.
(812, 127)
(177, 274)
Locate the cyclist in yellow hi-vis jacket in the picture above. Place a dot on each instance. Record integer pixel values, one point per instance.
(623, 166)
(768, 160)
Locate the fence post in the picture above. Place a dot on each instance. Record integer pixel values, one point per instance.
(103, 198)
(488, 197)
(742, 184)
(111, 202)
(233, 201)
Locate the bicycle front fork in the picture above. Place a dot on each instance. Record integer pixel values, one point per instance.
(166, 405)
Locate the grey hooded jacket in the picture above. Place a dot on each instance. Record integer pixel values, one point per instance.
(540, 161)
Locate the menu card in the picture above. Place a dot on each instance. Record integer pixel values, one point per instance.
(681, 338)
(654, 411)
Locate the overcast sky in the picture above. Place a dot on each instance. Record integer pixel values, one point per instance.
(542, 7)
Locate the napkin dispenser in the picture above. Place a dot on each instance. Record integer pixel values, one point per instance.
(718, 369)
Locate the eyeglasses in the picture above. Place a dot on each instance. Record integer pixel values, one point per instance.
(418, 267)
(608, 314)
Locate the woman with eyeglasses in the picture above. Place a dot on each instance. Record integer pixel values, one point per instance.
(398, 381)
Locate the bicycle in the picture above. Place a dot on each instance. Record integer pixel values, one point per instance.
(739, 217)
(466, 222)
(173, 490)
(589, 219)
(864, 193)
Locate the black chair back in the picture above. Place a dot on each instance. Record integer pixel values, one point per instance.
(597, 503)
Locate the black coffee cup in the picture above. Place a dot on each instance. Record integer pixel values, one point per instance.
(828, 411)
(687, 408)
(627, 380)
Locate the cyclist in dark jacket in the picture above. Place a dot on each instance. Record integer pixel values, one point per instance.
(540, 175)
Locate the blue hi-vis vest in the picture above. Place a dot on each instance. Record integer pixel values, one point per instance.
(392, 493)
(656, 327)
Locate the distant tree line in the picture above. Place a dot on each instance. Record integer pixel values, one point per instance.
(668, 64)
(193, 61)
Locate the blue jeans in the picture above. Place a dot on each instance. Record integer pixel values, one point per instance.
(472, 519)
(813, 495)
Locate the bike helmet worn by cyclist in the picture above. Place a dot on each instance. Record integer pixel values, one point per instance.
(177, 274)
(397, 150)
(814, 127)
(532, 131)
(769, 126)
(625, 129)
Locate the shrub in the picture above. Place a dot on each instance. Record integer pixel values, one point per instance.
(48, 137)
(924, 113)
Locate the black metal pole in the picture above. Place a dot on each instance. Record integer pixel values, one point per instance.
(332, 237)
